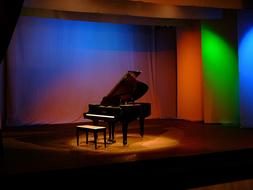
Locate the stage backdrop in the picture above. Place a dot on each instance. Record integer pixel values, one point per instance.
(245, 42)
(57, 67)
(220, 70)
(189, 73)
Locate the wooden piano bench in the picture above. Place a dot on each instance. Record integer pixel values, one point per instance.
(90, 128)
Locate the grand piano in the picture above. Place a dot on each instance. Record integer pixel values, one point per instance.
(120, 106)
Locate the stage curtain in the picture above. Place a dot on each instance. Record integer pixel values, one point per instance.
(189, 73)
(245, 42)
(57, 67)
(220, 70)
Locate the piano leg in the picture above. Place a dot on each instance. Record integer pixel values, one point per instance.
(141, 123)
(111, 133)
(113, 126)
(124, 130)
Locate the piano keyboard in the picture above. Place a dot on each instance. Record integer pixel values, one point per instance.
(104, 116)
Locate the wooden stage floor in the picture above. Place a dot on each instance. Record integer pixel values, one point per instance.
(175, 152)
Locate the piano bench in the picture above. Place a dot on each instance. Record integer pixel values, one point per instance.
(90, 128)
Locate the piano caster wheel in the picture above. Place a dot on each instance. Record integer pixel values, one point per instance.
(110, 141)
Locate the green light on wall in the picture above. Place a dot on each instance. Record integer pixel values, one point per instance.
(220, 72)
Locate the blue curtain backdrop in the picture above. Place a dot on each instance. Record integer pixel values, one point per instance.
(57, 67)
(245, 42)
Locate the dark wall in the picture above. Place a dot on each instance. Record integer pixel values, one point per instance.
(9, 13)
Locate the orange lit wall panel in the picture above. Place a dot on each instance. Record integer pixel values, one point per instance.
(189, 73)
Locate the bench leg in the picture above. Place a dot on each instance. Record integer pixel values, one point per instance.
(95, 138)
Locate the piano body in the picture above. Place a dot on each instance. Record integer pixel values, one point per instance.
(120, 106)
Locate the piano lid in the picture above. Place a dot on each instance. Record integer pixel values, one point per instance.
(128, 89)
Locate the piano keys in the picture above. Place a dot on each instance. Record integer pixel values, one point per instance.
(120, 106)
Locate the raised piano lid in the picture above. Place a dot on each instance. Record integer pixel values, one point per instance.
(128, 89)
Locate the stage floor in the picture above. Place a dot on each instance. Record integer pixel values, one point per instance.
(169, 148)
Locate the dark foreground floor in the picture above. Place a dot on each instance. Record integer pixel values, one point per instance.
(174, 154)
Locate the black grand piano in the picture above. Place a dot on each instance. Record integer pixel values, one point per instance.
(120, 106)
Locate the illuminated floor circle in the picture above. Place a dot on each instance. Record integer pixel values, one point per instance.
(135, 143)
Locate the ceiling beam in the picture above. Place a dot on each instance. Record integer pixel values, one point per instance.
(225, 4)
(96, 17)
(124, 8)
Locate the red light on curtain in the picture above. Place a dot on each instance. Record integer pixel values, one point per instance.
(189, 73)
